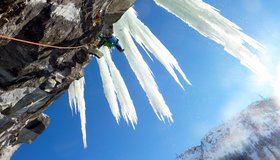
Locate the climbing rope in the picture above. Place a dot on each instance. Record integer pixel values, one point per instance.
(37, 44)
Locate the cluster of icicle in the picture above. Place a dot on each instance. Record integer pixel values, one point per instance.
(207, 20)
(197, 14)
(129, 27)
(115, 89)
(76, 98)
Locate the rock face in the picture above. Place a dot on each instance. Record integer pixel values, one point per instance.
(254, 134)
(33, 77)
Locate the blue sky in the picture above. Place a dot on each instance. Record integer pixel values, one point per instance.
(221, 87)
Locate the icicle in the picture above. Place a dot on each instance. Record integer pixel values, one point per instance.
(72, 99)
(142, 71)
(76, 96)
(127, 106)
(147, 40)
(109, 88)
(210, 23)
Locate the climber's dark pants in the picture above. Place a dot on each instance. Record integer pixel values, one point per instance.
(119, 48)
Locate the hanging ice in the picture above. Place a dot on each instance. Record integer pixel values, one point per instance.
(76, 97)
(199, 15)
(142, 70)
(209, 22)
(127, 106)
(147, 40)
(109, 88)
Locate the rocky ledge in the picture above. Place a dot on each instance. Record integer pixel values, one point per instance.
(33, 77)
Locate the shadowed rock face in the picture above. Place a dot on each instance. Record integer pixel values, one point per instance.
(254, 134)
(33, 77)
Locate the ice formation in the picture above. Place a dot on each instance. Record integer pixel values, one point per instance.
(141, 69)
(210, 23)
(199, 15)
(76, 97)
(148, 41)
(109, 88)
(127, 106)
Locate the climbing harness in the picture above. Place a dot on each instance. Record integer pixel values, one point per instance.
(38, 44)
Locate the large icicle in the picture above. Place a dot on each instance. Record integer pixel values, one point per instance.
(142, 71)
(109, 88)
(72, 98)
(76, 97)
(209, 22)
(149, 41)
(127, 106)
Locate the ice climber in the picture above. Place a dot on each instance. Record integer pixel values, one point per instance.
(110, 42)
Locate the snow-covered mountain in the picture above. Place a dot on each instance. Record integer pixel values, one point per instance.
(252, 134)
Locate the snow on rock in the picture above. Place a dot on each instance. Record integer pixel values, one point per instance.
(252, 134)
(191, 154)
(12, 97)
(7, 152)
(34, 2)
(69, 12)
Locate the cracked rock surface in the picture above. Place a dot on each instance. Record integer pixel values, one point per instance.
(33, 77)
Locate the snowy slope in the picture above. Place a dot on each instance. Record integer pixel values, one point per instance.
(252, 134)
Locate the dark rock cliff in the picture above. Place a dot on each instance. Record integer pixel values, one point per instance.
(254, 134)
(33, 77)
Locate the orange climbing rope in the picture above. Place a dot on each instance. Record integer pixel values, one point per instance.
(38, 44)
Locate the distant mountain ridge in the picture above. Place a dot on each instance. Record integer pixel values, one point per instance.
(253, 134)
